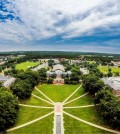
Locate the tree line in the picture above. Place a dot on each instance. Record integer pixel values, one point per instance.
(109, 105)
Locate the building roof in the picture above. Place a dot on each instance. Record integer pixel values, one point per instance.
(58, 67)
(84, 70)
(8, 82)
(113, 82)
(3, 78)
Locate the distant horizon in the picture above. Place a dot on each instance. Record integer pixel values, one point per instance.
(59, 51)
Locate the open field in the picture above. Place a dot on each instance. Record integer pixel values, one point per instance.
(58, 93)
(44, 126)
(104, 69)
(91, 62)
(25, 65)
(73, 126)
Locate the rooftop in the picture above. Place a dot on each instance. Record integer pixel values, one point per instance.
(113, 82)
(58, 67)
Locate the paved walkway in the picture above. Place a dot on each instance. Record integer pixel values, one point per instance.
(58, 119)
(35, 106)
(31, 122)
(76, 98)
(42, 99)
(44, 95)
(80, 106)
(91, 124)
(72, 94)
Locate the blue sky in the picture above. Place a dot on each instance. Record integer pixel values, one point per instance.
(64, 25)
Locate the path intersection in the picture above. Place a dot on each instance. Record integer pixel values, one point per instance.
(58, 111)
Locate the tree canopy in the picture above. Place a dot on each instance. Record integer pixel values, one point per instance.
(8, 109)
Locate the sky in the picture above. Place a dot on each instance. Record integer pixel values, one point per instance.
(60, 25)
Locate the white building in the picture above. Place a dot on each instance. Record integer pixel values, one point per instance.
(59, 71)
(6, 80)
(114, 83)
(9, 82)
(84, 70)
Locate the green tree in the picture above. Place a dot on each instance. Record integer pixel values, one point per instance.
(50, 81)
(8, 109)
(92, 83)
(22, 89)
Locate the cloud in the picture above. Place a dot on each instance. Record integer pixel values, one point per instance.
(32, 20)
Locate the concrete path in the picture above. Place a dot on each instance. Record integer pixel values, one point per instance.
(72, 94)
(76, 98)
(31, 122)
(58, 119)
(42, 99)
(80, 106)
(44, 95)
(91, 124)
(35, 106)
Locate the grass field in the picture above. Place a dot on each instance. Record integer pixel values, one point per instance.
(44, 126)
(73, 126)
(89, 114)
(91, 62)
(58, 93)
(104, 69)
(25, 65)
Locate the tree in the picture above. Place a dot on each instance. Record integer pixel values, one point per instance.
(0, 69)
(22, 89)
(67, 81)
(42, 74)
(50, 81)
(109, 107)
(8, 109)
(92, 83)
(50, 63)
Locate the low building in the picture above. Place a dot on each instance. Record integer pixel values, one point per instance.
(114, 83)
(116, 64)
(9, 82)
(3, 78)
(58, 71)
(6, 80)
(84, 71)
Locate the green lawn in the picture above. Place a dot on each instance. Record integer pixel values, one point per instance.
(104, 69)
(73, 126)
(27, 114)
(91, 62)
(80, 92)
(58, 93)
(86, 100)
(25, 65)
(89, 114)
(35, 101)
(44, 126)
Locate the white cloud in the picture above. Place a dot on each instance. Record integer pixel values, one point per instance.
(43, 19)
